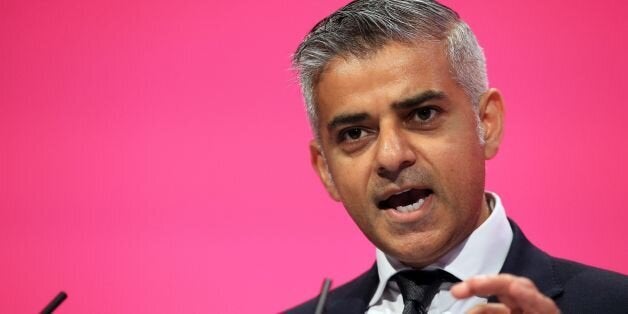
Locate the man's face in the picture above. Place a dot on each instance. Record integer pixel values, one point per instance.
(399, 147)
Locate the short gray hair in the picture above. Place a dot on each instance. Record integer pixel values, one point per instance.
(363, 26)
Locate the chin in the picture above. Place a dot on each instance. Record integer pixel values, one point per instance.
(413, 252)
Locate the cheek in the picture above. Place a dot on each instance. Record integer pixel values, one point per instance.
(459, 163)
(351, 178)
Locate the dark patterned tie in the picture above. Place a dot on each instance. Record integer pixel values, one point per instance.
(418, 288)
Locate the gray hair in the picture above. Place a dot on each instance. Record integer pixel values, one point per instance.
(363, 26)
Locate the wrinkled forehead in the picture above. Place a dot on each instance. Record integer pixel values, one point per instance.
(392, 59)
(373, 84)
(367, 51)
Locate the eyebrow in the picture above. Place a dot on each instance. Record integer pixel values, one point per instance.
(344, 119)
(417, 100)
(407, 103)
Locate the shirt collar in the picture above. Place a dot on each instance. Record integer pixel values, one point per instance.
(483, 252)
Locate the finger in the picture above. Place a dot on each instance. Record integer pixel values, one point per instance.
(498, 285)
(515, 292)
(530, 300)
(483, 285)
(468, 289)
(461, 290)
(489, 308)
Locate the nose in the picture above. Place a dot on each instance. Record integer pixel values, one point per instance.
(394, 153)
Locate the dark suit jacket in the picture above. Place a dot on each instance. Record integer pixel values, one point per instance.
(575, 288)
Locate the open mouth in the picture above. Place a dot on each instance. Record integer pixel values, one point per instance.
(406, 201)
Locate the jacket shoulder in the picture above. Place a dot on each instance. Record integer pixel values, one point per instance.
(575, 287)
(588, 289)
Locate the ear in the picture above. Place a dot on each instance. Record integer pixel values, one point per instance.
(491, 113)
(319, 163)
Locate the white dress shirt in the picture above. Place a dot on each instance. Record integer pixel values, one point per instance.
(482, 253)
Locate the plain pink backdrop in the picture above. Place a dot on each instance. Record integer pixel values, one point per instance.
(153, 154)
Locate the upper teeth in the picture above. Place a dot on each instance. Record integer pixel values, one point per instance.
(411, 207)
(404, 191)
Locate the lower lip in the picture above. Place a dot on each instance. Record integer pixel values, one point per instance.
(400, 217)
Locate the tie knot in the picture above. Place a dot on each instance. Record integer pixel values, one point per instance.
(425, 277)
(418, 287)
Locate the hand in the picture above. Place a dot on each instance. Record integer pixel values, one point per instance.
(516, 294)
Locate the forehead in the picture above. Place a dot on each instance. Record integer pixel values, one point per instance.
(393, 72)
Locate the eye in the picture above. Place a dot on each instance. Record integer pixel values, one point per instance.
(351, 134)
(424, 114)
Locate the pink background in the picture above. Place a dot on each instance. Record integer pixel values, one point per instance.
(153, 154)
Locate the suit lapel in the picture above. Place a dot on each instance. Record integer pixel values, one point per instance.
(354, 297)
(526, 260)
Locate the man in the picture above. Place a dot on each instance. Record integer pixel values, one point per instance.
(398, 99)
